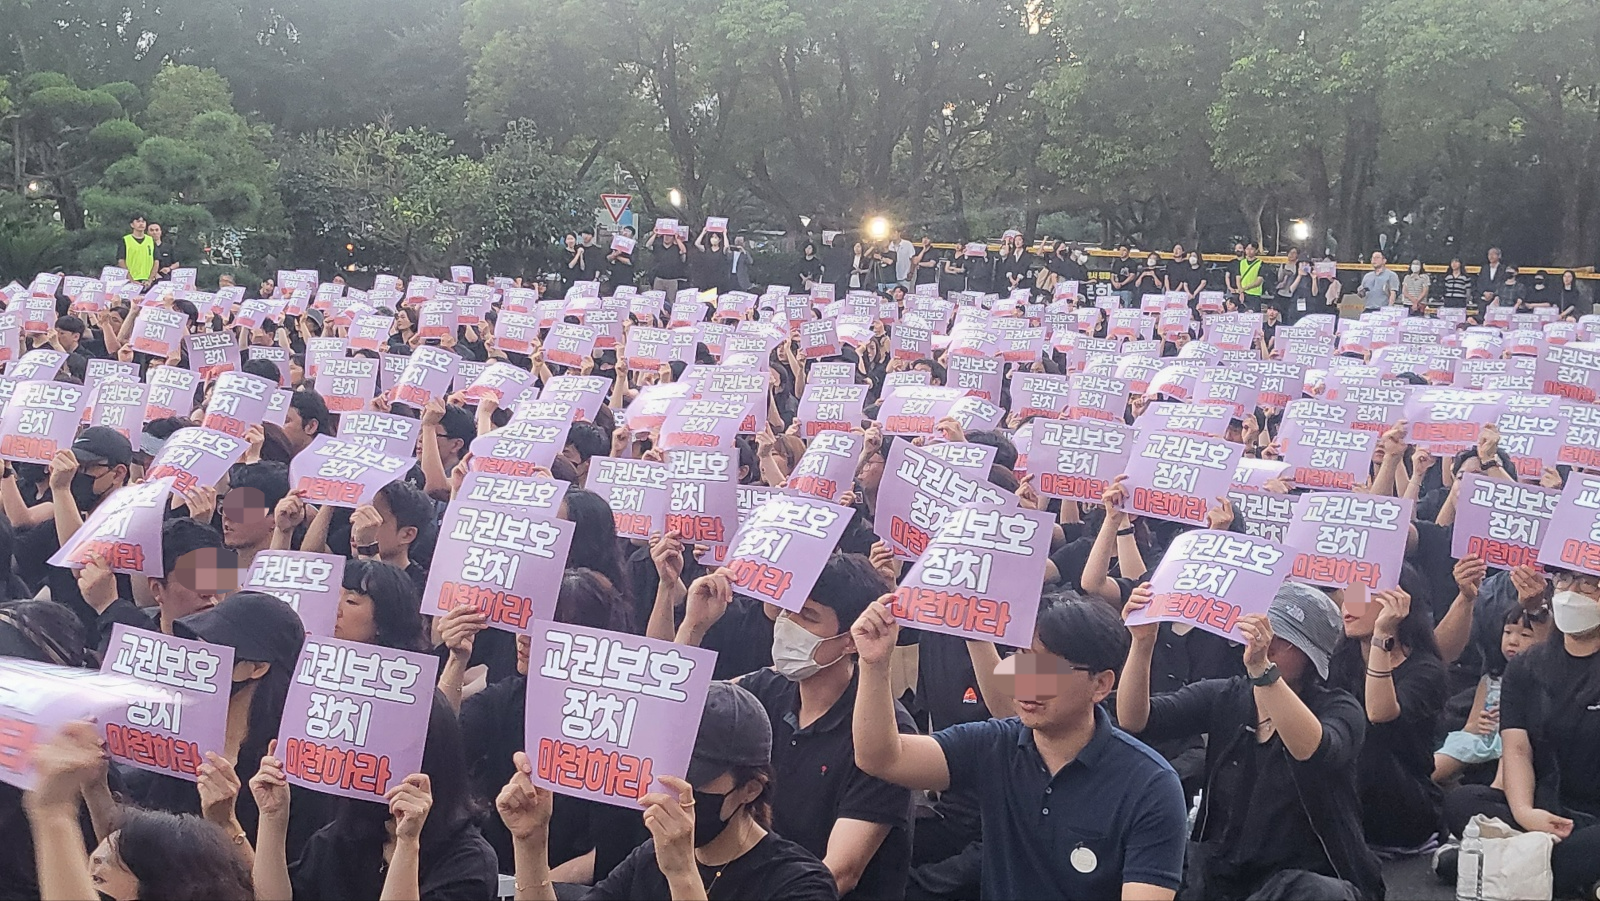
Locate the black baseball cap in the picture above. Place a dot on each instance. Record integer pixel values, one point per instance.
(259, 627)
(734, 731)
(101, 444)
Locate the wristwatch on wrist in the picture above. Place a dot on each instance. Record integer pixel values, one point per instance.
(1383, 644)
(367, 550)
(1268, 676)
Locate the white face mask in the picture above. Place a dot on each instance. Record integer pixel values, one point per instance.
(1416, 267)
(1194, 260)
(794, 650)
(1574, 612)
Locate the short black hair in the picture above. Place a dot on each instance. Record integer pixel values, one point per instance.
(180, 856)
(260, 368)
(847, 585)
(589, 439)
(396, 603)
(70, 324)
(183, 535)
(268, 477)
(458, 423)
(1082, 631)
(187, 308)
(310, 405)
(409, 505)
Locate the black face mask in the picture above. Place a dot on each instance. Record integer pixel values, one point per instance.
(708, 821)
(83, 491)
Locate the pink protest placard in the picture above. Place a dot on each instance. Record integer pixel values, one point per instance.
(1253, 473)
(650, 406)
(636, 491)
(308, 582)
(158, 332)
(501, 382)
(536, 495)
(979, 575)
(213, 354)
(830, 408)
(586, 394)
(370, 331)
(1531, 430)
(1097, 397)
(342, 474)
(356, 717)
(911, 342)
(1278, 382)
(1178, 477)
(704, 423)
(40, 419)
(124, 528)
(505, 561)
(238, 401)
(118, 405)
(171, 735)
(916, 409)
(1040, 394)
(437, 319)
(39, 698)
(516, 333)
(1329, 455)
(1077, 460)
(196, 456)
(780, 548)
(1207, 420)
(819, 339)
(278, 356)
(827, 469)
(1568, 371)
(1446, 420)
(43, 365)
(1210, 579)
(427, 375)
(521, 447)
(917, 492)
(1266, 514)
(648, 349)
(1570, 540)
(1343, 538)
(1379, 408)
(1237, 388)
(567, 344)
(702, 505)
(1502, 522)
(386, 433)
(977, 376)
(972, 459)
(609, 713)
(347, 384)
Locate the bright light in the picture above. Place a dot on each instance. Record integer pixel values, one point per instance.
(675, 197)
(877, 228)
(1299, 230)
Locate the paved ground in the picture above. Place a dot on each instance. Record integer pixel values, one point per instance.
(1412, 879)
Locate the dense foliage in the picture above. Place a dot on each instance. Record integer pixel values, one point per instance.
(412, 133)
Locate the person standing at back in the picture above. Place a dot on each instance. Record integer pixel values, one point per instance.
(138, 251)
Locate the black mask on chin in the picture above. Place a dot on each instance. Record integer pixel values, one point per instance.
(708, 821)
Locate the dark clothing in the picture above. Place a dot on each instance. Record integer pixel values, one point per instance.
(1555, 698)
(1458, 290)
(1263, 810)
(1574, 861)
(774, 869)
(818, 782)
(1399, 800)
(670, 263)
(1115, 814)
(710, 269)
(1490, 278)
(456, 866)
(38, 544)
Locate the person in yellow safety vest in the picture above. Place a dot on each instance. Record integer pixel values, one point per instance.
(138, 251)
(1247, 279)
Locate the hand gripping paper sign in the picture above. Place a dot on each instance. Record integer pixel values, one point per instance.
(1178, 477)
(702, 504)
(608, 713)
(1076, 460)
(347, 383)
(238, 401)
(125, 529)
(213, 354)
(918, 491)
(521, 448)
(979, 576)
(356, 718)
(39, 420)
(830, 408)
(427, 375)
(502, 560)
(1572, 540)
(171, 735)
(586, 394)
(1446, 420)
(308, 582)
(119, 405)
(827, 469)
(704, 424)
(342, 474)
(1343, 538)
(636, 491)
(1502, 522)
(1209, 579)
(196, 456)
(37, 699)
(780, 548)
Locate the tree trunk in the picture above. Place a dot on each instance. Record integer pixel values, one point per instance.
(1319, 191)
(1355, 226)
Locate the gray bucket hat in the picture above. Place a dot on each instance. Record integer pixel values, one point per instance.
(1308, 619)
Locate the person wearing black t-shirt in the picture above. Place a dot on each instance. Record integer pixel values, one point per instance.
(671, 261)
(925, 263)
(709, 834)
(1571, 301)
(1124, 269)
(1550, 741)
(857, 824)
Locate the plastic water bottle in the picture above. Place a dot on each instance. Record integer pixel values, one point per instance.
(1469, 864)
(1194, 811)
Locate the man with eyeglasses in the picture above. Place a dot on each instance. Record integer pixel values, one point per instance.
(1072, 807)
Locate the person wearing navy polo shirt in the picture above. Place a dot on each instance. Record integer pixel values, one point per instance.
(1072, 807)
